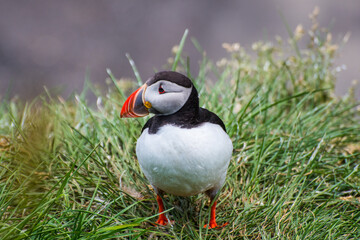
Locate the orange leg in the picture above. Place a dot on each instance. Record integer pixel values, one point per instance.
(162, 220)
(212, 223)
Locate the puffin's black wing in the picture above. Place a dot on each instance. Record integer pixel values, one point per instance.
(147, 124)
(207, 116)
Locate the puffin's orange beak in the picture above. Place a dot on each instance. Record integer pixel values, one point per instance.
(135, 105)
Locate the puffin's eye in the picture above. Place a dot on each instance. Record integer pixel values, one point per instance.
(161, 90)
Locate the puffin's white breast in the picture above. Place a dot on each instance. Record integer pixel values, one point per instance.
(184, 161)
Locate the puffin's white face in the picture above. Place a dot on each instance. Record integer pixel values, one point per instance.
(163, 94)
(166, 97)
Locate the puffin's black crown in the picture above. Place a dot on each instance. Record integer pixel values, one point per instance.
(171, 76)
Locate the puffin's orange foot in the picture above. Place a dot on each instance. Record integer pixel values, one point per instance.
(162, 220)
(214, 225)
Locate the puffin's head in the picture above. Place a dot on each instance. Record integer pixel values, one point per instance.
(163, 94)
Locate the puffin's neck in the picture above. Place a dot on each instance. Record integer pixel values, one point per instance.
(190, 110)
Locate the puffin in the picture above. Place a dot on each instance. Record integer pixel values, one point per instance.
(183, 149)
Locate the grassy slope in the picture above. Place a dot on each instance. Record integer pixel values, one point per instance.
(69, 171)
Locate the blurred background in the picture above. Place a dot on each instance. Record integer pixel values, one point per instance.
(58, 43)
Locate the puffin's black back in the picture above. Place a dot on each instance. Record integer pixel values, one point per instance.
(189, 116)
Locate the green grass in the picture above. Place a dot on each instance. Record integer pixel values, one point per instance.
(68, 169)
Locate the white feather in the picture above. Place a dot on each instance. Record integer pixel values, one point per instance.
(185, 162)
(171, 101)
